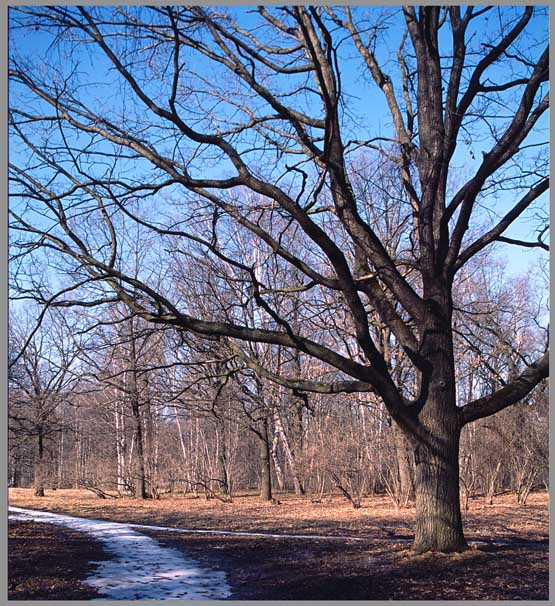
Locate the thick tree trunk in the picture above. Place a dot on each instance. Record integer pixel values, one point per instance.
(436, 457)
(438, 512)
(436, 454)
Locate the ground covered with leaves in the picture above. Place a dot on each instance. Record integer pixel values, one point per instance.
(50, 562)
(262, 569)
(513, 565)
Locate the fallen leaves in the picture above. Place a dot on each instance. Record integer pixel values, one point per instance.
(48, 562)
(381, 568)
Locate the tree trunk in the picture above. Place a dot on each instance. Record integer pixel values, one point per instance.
(438, 511)
(223, 475)
(436, 453)
(296, 444)
(60, 481)
(405, 465)
(38, 481)
(77, 472)
(15, 474)
(120, 446)
(223, 488)
(491, 487)
(289, 455)
(180, 434)
(139, 468)
(436, 458)
(277, 466)
(265, 463)
(139, 475)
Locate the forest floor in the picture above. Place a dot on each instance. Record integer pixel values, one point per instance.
(512, 565)
(50, 562)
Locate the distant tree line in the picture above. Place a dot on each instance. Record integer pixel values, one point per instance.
(128, 410)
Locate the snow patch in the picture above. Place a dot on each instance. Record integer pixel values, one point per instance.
(237, 533)
(140, 568)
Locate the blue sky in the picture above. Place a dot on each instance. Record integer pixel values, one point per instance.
(365, 101)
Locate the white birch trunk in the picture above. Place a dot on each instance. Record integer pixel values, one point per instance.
(288, 453)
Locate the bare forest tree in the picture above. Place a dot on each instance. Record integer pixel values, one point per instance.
(213, 129)
(42, 380)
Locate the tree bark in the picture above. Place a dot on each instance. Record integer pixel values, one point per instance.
(405, 465)
(277, 466)
(265, 463)
(38, 481)
(223, 488)
(436, 454)
(223, 475)
(438, 512)
(60, 480)
(289, 455)
(15, 474)
(139, 475)
(297, 450)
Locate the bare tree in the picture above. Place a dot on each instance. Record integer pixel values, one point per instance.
(43, 378)
(232, 123)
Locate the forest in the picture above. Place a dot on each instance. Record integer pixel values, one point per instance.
(125, 409)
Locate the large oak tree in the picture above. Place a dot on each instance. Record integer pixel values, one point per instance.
(203, 125)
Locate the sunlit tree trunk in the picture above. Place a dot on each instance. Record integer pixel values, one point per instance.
(120, 445)
(139, 475)
(277, 465)
(289, 455)
(405, 465)
(265, 465)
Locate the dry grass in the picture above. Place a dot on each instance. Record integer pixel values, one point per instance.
(376, 518)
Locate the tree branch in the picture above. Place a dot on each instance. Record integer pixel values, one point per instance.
(510, 394)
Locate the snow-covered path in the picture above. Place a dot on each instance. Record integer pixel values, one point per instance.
(140, 568)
